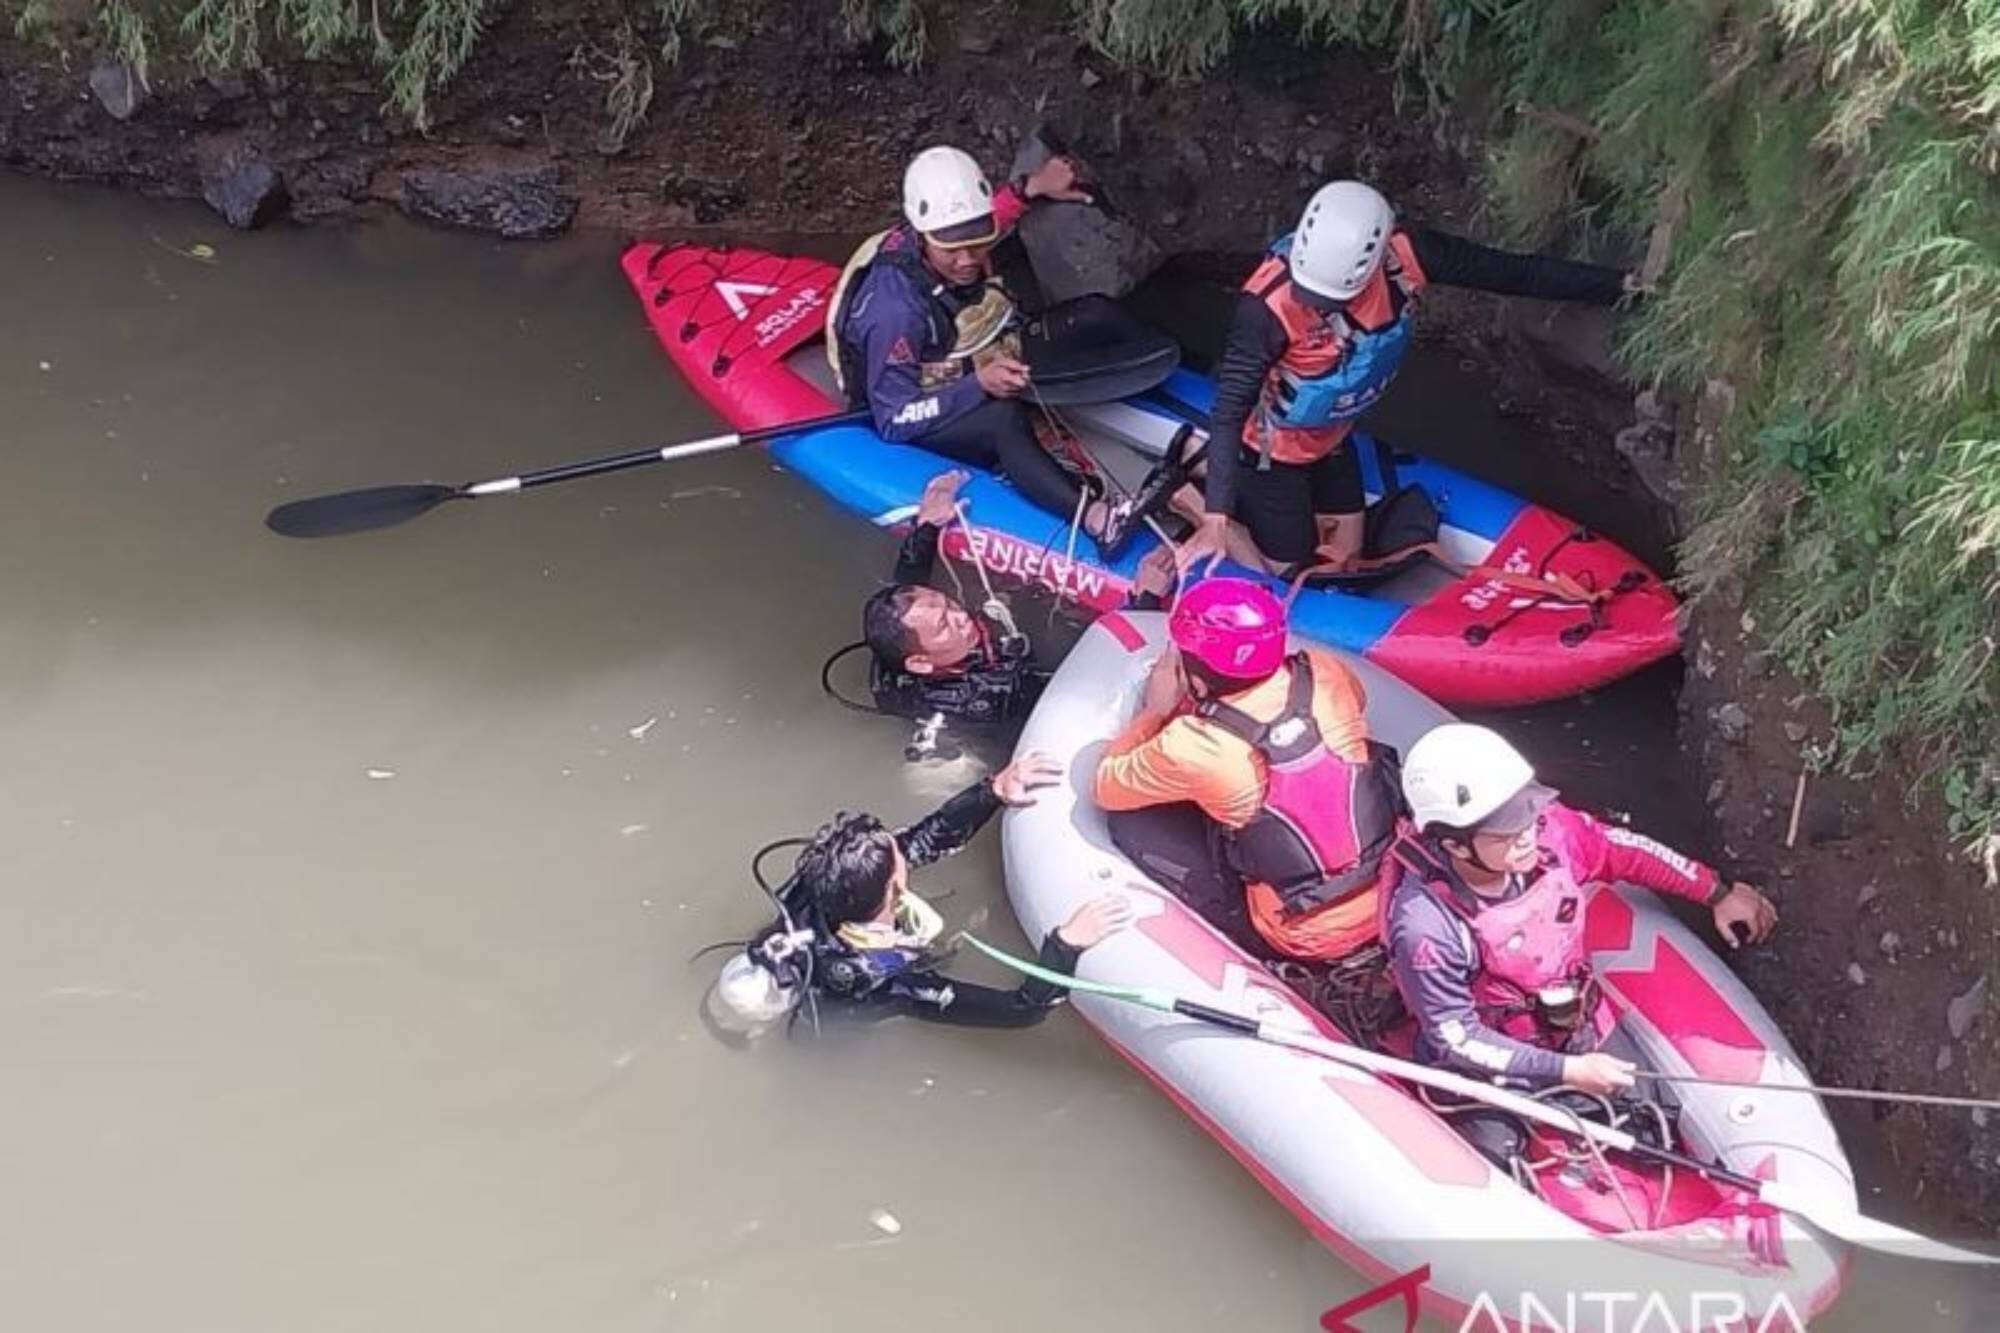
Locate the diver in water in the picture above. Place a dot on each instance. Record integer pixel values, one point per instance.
(850, 929)
(940, 664)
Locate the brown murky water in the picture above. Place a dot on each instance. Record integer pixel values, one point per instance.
(351, 884)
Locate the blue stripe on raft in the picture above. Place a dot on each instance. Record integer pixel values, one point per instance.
(1463, 501)
(871, 477)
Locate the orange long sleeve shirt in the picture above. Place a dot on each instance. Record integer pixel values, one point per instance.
(1189, 759)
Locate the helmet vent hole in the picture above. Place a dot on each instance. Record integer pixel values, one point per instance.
(1464, 795)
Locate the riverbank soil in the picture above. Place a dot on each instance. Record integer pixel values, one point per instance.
(1887, 933)
(776, 121)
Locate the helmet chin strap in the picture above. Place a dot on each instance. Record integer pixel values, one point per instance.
(1473, 857)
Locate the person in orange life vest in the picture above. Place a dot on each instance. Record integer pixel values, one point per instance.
(920, 334)
(1485, 924)
(1319, 331)
(1273, 749)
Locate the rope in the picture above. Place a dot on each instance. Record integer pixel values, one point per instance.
(993, 608)
(1546, 1098)
(1819, 1090)
(1069, 553)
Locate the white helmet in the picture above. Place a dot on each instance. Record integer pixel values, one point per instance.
(1340, 240)
(1461, 775)
(946, 198)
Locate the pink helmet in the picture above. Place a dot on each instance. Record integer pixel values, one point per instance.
(1233, 627)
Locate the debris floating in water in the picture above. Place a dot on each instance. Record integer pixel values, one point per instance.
(638, 733)
(885, 1222)
(631, 829)
(381, 774)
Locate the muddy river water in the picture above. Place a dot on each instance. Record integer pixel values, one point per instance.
(351, 885)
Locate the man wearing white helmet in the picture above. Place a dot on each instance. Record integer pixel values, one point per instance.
(921, 333)
(1319, 331)
(1485, 928)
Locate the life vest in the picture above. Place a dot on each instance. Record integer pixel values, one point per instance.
(1325, 824)
(976, 324)
(1335, 365)
(1534, 982)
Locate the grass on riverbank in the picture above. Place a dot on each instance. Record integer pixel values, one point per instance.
(1817, 180)
(1820, 176)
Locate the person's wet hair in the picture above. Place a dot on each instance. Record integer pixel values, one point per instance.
(882, 618)
(846, 867)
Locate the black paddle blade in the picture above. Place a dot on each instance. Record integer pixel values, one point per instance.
(356, 511)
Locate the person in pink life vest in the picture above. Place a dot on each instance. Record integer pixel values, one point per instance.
(1485, 924)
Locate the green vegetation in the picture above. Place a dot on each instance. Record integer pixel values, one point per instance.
(1819, 176)
(1817, 180)
(1817, 183)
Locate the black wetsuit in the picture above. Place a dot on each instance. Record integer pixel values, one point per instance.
(993, 687)
(930, 995)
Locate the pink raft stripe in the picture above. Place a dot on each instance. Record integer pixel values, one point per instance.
(1121, 629)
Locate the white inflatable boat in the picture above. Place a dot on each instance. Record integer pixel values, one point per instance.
(1381, 1179)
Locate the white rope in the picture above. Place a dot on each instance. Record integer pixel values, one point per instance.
(994, 609)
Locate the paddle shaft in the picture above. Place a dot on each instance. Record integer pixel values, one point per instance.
(1357, 1056)
(1853, 1227)
(596, 467)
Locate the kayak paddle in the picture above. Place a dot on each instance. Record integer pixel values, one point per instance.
(386, 506)
(1851, 1227)
(1144, 363)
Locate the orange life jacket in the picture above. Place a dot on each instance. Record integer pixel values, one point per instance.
(1334, 365)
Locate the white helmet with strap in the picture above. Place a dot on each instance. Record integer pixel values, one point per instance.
(946, 198)
(1461, 776)
(1341, 239)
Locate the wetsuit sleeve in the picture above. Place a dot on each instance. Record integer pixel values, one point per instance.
(940, 999)
(1435, 966)
(950, 826)
(916, 560)
(1603, 852)
(1255, 342)
(890, 327)
(1457, 262)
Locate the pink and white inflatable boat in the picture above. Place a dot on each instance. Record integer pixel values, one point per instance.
(1381, 1179)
